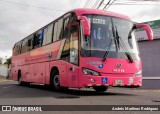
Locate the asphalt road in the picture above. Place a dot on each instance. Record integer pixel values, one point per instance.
(13, 94)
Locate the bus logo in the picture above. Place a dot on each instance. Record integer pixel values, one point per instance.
(118, 70)
(100, 66)
(118, 65)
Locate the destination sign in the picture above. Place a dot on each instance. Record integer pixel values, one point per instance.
(97, 20)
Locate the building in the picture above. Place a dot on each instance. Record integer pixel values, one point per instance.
(4, 71)
(150, 55)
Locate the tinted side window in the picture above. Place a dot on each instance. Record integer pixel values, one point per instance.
(66, 51)
(17, 48)
(14, 50)
(47, 36)
(59, 29)
(66, 27)
(24, 46)
(38, 39)
(30, 43)
(73, 18)
(27, 44)
(69, 19)
(55, 32)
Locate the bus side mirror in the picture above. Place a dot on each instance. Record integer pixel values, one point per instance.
(85, 25)
(147, 29)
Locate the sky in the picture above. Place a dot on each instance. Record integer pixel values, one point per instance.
(19, 18)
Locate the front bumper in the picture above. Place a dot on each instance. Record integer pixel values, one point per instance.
(116, 81)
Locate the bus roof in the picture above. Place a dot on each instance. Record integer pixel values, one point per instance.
(82, 11)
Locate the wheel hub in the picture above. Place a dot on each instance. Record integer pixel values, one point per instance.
(56, 80)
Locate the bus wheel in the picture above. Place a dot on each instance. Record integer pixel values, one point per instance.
(100, 88)
(55, 81)
(20, 82)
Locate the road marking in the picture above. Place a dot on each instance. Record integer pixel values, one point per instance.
(9, 86)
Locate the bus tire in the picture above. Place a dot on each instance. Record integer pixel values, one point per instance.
(55, 80)
(100, 88)
(20, 78)
(20, 82)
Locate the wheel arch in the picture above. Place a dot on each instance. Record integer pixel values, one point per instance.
(19, 74)
(54, 68)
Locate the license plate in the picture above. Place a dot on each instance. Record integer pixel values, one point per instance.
(118, 82)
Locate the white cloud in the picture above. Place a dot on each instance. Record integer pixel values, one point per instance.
(18, 21)
(138, 13)
(5, 53)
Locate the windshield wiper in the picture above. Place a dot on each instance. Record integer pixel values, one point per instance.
(117, 45)
(120, 41)
(107, 52)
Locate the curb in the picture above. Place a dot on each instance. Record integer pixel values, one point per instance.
(5, 80)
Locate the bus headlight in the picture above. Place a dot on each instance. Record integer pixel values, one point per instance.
(138, 74)
(90, 72)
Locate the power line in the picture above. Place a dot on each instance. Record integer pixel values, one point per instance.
(100, 4)
(110, 4)
(107, 4)
(127, 2)
(16, 3)
(97, 1)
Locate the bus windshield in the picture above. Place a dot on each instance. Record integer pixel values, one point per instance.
(102, 38)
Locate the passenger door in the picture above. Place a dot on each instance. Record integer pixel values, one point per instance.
(74, 57)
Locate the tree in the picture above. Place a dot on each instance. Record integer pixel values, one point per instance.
(9, 61)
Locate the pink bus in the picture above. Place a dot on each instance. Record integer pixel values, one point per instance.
(83, 48)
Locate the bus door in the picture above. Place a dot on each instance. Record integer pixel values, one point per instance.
(73, 59)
